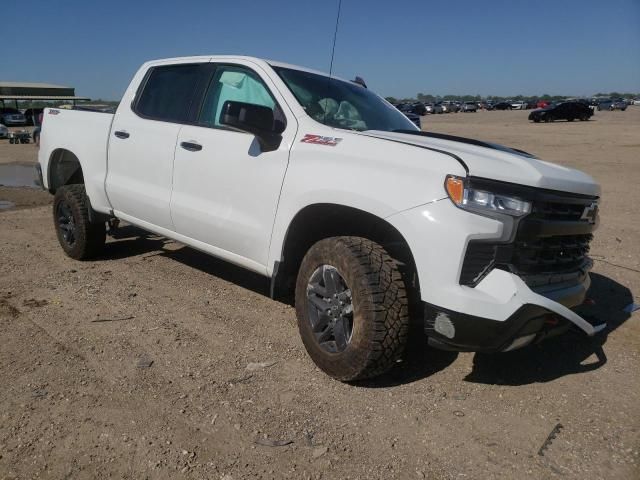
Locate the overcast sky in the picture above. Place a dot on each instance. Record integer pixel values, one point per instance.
(492, 47)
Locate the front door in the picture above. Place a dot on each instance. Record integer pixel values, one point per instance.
(225, 188)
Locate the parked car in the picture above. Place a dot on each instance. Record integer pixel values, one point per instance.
(31, 115)
(448, 107)
(543, 104)
(418, 108)
(562, 111)
(519, 105)
(415, 119)
(602, 103)
(434, 108)
(486, 105)
(618, 104)
(11, 116)
(4, 131)
(469, 107)
(404, 225)
(503, 106)
(439, 108)
(636, 101)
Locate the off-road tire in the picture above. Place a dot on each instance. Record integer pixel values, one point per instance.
(380, 307)
(89, 238)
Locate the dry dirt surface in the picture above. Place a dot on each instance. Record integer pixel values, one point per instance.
(156, 361)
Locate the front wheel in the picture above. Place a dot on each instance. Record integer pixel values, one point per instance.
(79, 238)
(352, 308)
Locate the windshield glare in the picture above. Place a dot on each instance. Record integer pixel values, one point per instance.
(340, 104)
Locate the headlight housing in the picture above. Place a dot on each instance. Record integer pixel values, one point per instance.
(483, 201)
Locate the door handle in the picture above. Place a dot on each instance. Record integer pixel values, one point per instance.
(191, 146)
(121, 134)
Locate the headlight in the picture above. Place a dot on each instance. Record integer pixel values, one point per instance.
(482, 201)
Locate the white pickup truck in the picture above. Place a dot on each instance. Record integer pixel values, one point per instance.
(328, 190)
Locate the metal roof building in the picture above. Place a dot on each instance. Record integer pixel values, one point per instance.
(36, 91)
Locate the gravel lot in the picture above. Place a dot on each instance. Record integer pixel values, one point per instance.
(230, 381)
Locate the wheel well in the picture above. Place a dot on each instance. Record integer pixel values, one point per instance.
(316, 222)
(64, 169)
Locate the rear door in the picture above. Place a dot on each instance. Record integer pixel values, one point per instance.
(225, 188)
(143, 141)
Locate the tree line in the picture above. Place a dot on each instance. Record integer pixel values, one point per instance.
(427, 98)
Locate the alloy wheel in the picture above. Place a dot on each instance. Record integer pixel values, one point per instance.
(330, 307)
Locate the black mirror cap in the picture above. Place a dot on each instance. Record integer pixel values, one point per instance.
(255, 119)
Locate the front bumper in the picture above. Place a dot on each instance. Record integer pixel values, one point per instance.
(542, 316)
(501, 307)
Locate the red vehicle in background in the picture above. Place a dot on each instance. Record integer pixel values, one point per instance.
(543, 104)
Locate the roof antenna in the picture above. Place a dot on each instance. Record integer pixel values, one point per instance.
(333, 51)
(335, 35)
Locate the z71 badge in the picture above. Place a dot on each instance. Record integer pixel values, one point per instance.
(320, 140)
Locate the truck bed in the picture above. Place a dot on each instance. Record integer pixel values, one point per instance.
(86, 134)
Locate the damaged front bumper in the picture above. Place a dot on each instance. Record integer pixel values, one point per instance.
(539, 316)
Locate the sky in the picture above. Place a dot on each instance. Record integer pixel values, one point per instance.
(400, 48)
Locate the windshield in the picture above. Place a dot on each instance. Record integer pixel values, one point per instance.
(340, 104)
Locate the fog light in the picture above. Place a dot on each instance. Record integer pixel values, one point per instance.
(444, 326)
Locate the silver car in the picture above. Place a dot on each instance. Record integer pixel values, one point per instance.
(449, 107)
(618, 104)
(4, 131)
(469, 107)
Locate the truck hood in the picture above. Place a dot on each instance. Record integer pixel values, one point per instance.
(497, 162)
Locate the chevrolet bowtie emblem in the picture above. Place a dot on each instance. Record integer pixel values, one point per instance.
(590, 213)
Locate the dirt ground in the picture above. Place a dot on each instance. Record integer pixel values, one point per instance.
(157, 361)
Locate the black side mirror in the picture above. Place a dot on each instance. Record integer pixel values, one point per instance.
(251, 118)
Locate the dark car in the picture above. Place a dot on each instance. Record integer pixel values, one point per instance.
(419, 108)
(503, 106)
(403, 107)
(32, 115)
(562, 111)
(11, 116)
(414, 118)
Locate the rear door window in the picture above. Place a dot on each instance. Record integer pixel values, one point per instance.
(171, 92)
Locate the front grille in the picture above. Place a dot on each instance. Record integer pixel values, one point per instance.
(551, 244)
(559, 211)
(551, 254)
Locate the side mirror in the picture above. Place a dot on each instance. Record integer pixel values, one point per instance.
(251, 118)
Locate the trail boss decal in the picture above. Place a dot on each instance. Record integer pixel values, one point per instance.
(319, 140)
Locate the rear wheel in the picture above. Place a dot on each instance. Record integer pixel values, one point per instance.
(79, 238)
(352, 308)
(537, 120)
